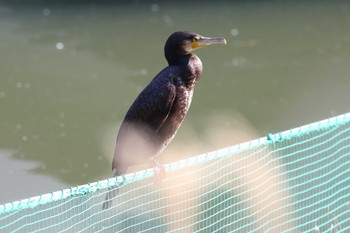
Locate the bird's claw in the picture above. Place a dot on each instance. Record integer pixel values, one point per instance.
(159, 171)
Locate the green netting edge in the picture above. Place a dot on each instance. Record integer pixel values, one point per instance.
(83, 190)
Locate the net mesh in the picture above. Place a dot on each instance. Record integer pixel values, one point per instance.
(293, 181)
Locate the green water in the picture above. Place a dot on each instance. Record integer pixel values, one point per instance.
(69, 73)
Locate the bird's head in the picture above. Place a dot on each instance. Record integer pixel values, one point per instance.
(182, 43)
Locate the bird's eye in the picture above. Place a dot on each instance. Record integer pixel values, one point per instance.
(195, 38)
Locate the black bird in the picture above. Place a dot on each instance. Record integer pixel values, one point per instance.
(157, 113)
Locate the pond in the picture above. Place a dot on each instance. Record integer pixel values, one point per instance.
(69, 72)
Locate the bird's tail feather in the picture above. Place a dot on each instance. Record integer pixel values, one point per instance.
(111, 194)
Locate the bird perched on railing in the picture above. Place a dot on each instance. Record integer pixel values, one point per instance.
(157, 113)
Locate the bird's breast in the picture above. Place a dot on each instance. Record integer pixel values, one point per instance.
(177, 114)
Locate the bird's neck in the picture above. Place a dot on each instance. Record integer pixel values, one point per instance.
(191, 66)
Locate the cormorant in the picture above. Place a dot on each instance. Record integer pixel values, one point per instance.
(157, 113)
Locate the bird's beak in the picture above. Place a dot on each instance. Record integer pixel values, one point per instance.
(205, 41)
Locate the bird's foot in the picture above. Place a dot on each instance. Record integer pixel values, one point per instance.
(159, 170)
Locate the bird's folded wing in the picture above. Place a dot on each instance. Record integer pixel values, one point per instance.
(153, 105)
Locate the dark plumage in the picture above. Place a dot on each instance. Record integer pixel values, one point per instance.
(157, 113)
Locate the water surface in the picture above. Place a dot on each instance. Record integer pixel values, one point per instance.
(68, 74)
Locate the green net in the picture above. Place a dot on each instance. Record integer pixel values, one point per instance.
(293, 181)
